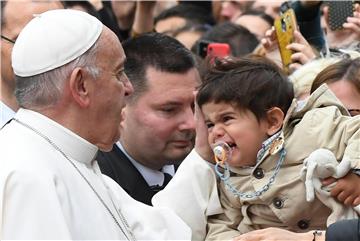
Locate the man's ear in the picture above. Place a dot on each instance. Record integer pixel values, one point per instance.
(123, 116)
(79, 87)
(275, 117)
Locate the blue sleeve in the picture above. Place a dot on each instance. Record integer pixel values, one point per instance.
(343, 230)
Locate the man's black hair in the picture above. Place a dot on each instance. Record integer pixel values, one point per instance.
(158, 51)
(240, 39)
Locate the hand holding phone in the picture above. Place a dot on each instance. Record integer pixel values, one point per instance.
(338, 13)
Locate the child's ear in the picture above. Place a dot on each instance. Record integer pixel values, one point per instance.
(275, 117)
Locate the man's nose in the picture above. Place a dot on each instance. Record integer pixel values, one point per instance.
(188, 120)
(129, 89)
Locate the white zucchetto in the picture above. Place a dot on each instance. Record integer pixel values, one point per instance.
(53, 39)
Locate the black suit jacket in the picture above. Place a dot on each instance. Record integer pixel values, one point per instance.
(116, 165)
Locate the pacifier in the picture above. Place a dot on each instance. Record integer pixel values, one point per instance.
(222, 152)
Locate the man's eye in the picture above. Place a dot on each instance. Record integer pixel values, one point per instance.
(168, 110)
(120, 75)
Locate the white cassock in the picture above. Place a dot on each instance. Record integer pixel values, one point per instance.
(43, 196)
(192, 194)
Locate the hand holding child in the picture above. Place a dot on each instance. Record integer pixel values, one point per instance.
(202, 146)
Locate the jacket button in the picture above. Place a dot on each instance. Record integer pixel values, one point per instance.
(303, 224)
(278, 203)
(258, 173)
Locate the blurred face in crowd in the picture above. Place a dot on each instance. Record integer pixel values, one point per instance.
(347, 93)
(230, 10)
(254, 24)
(188, 38)
(108, 92)
(16, 15)
(271, 8)
(159, 127)
(124, 12)
(169, 25)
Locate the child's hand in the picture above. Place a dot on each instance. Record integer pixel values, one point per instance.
(346, 190)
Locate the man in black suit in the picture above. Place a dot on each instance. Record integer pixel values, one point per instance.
(158, 127)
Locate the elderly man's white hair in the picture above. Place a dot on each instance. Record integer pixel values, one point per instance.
(47, 50)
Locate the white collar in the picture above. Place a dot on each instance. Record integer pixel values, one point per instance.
(6, 113)
(70, 143)
(152, 177)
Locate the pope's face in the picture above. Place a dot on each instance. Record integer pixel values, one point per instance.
(109, 92)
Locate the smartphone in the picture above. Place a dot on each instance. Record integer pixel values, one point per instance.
(219, 50)
(285, 25)
(201, 48)
(338, 13)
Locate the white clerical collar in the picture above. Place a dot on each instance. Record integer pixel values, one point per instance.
(70, 143)
(152, 177)
(6, 113)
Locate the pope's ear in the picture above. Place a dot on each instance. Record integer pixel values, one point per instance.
(275, 117)
(79, 87)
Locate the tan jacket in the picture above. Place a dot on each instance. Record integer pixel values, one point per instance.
(321, 123)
